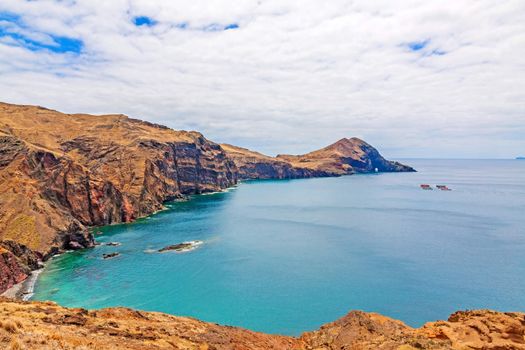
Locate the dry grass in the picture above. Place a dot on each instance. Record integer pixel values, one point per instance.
(15, 345)
(9, 326)
(22, 229)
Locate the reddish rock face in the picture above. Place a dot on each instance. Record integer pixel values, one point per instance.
(11, 270)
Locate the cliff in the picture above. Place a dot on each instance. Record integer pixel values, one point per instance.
(63, 173)
(254, 165)
(39, 325)
(345, 157)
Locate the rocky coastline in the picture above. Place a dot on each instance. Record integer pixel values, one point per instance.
(61, 174)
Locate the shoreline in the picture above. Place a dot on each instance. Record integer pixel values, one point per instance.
(25, 289)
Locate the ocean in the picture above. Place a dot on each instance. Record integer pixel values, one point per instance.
(285, 256)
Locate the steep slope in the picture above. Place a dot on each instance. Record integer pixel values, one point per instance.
(254, 165)
(346, 156)
(60, 173)
(38, 325)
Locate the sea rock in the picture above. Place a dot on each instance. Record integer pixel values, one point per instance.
(181, 247)
(113, 244)
(110, 255)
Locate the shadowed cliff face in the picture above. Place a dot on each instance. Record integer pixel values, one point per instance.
(254, 165)
(38, 325)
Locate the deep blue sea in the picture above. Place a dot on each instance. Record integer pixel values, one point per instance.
(286, 256)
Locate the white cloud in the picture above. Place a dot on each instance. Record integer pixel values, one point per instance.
(294, 76)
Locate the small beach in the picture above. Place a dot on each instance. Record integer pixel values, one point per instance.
(24, 290)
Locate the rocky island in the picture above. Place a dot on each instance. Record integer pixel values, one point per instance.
(181, 247)
(61, 174)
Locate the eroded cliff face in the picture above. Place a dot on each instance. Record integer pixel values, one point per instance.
(254, 165)
(38, 325)
(16, 263)
(345, 157)
(60, 174)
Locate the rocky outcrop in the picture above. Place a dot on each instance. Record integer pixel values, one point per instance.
(11, 270)
(39, 325)
(181, 247)
(16, 263)
(346, 156)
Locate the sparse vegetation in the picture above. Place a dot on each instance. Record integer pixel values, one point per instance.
(9, 326)
(15, 345)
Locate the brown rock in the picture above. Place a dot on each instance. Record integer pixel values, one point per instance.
(49, 326)
(346, 156)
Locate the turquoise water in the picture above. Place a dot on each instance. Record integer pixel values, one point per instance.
(286, 256)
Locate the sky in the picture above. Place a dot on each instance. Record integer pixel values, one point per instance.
(431, 79)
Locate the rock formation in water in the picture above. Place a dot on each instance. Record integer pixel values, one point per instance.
(44, 325)
(62, 173)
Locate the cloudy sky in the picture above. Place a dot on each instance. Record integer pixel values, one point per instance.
(413, 78)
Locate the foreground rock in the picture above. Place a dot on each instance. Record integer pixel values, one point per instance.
(110, 255)
(37, 325)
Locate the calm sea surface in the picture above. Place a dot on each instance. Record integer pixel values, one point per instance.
(286, 256)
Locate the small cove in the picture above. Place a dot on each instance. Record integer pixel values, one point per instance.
(286, 256)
